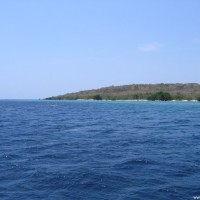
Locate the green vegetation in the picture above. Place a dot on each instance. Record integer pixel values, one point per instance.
(97, 97)
(161, 96)
(178, 97)
(162, 92)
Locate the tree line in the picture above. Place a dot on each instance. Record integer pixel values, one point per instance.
(158, 96)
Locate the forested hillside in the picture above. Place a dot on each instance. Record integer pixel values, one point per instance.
(163, 92)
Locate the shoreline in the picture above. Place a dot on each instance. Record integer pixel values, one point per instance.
(140, 100)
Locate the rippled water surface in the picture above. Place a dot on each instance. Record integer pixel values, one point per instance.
(99, 150)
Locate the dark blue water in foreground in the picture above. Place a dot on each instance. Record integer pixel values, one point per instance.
(99, 150)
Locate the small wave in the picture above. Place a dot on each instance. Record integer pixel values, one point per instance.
(129, 164)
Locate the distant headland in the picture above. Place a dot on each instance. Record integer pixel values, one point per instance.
(162, 92)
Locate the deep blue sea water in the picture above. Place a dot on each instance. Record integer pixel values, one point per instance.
(81, 150)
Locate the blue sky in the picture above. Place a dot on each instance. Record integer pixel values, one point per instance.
(51, 47)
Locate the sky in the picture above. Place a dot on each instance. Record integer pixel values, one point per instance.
(53, 47)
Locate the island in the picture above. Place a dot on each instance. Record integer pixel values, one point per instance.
(153, 92)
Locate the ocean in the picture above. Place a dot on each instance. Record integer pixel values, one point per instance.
(99, 150)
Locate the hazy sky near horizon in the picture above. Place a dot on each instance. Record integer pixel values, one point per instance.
(51, 47)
